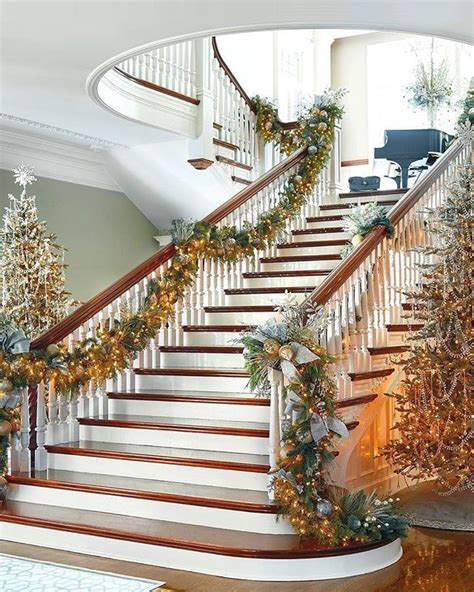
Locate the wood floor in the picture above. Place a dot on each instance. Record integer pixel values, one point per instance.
(433, 561)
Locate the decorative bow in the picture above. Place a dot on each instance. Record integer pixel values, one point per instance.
(11, 400)
(321, 426)
(287, 477)
(12, 339)
(303, 355)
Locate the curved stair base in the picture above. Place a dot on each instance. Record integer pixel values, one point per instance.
(320, 566)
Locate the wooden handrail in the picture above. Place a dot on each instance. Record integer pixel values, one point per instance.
(236, 83)
(107, 296)
(347, 267)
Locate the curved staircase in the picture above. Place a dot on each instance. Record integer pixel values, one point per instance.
(168, 464)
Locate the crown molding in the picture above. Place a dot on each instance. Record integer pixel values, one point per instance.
(58, 158)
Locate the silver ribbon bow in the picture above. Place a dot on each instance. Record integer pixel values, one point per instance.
(321, 426)
(13, 340)
(303, 355)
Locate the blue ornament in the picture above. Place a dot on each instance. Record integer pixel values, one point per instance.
(323, 508)
(312, 150)
(353, 522)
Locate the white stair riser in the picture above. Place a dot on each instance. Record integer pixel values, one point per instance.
(251, 299)
(324, 223)
(322, 236)
(266, 570)
(225, 151)
(175, 439)
(397, 338)
(201, 360)
(273, 282)
(151, 509)
(297, 265)
(256, 413)
(230, 318)
(210, 338)
(160, 471)
(309, 250)
(194, 383)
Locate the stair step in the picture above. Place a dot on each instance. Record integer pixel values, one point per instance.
(232, 162)
(159, 533)
(379, 193)
(324, 230)
(337, 206)
(390, 349)
(210, 459)
(219, 372)
(329, 218)
(297, 273)
(189, 397)
(355, 376)
(225, 144)
(243, 308)
(401, 327)
(202, 349)
(198, 426)
(148, 489)
(216, 328)
(241, 180)
(328, 243)
(354, 401)
(272, 290)
(296, 258)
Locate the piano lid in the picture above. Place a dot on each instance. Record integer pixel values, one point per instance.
(412, 143)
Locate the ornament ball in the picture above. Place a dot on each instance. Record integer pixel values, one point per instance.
(323, 508)
(5, 427)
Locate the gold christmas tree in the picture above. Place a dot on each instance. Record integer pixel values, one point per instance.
(32, 264)
(434, 404)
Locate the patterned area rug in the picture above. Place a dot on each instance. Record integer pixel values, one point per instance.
(24, 575)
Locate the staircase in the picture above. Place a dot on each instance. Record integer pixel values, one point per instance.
(168, 464)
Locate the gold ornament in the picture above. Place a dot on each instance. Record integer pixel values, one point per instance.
(52, 349)
(284, 453)
(286, 353)
(271, 346)
(5, 427)
(357, 239)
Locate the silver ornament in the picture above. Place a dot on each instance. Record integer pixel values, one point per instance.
(323, 508)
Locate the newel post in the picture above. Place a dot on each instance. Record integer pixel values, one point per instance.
(335, 185)
(202, 155)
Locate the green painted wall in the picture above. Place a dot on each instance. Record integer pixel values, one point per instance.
(105, 234)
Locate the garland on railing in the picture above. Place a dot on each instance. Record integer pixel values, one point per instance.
(114, 347)
(313, 507)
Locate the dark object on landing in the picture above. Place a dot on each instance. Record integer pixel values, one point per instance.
(406, 146)
(364, 183)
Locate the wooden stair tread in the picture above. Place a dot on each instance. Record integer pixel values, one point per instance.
(296, 258)
(336, 242)
(328, 218)
(272, 290)
(236, 461)
(172, 534)
(241, 308)
(337, 206)
(223, 372)
(324, 230)
(165, 491)
(377, 193)
(189, 397)
(202, 349)
(216, 328)
(224, 144)
(181, 424)
(388, 349)
(292, 273)
(354, 376)
(241, 180)
(354, 401)
(233, 162)
(400, 327)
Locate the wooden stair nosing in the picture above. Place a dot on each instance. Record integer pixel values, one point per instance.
(240, 308)
(337, 242)
(292, 273)
(232, 162)
(175, 398)
(329, 218)
(378, 193)
(201, 349)
(223, 504)
(402, 327)
(354, 376)
(216, 328)
(198, 539)
(171, 427)
(219, 372)
(272, 290)
(224, 144)
(353, 402)
(389, 349)
(159, 459)
(241, 180)
(324, 230)
(296, 258)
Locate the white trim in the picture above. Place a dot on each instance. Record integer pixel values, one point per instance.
(242, 568)
(55, 158)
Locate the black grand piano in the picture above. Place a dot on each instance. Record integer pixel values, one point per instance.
(407, 146)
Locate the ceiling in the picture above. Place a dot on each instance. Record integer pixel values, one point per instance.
(48, 49)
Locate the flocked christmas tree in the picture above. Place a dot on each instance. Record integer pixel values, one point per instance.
(434, 403)
(33, 272)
